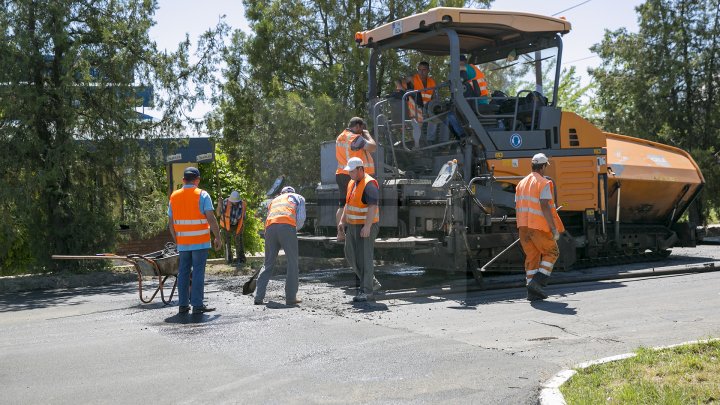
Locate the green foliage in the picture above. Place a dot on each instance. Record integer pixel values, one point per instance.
(662, 83)
(573, 96)
(220, 178)
(69, 135)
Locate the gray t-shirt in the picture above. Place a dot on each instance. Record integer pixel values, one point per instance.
(371, 194)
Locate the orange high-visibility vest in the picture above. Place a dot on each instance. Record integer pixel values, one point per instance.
(282, 211)
(481, 82)
(355, 209)
(191, 225)
(527, 204)
(418, 85)
(343, 153)
(225, 218)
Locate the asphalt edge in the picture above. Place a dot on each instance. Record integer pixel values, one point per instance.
(550, 391)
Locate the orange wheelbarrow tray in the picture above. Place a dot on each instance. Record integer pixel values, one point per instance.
(157, 264)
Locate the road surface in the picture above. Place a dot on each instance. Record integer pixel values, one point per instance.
(100, 345)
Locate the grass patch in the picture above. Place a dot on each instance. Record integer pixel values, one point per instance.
(688, 374)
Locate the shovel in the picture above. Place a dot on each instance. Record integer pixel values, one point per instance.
(249, 286)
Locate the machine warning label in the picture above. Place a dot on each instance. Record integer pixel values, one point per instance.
(515, 140)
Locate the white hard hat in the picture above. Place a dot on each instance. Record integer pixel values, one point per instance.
(540, 158)
(287, 189)
(234, 197)
(354, 163)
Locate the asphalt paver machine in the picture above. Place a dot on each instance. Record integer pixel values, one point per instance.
(448, 202)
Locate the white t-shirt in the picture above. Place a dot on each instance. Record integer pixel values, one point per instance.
(545, 194)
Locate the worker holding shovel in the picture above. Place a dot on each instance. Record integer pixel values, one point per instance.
(539, 226)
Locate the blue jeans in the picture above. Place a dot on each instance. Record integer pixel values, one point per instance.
(452, 121)
(195, 259)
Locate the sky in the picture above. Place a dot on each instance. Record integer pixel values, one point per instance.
(589, 21)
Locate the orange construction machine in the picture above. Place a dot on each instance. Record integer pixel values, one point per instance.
(448, 179)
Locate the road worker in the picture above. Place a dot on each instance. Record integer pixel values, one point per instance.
(191, 219)
(476, 79)
(359, 221)
(354, 141)
(286, 215)
(539, 226)
(231, 213)
(419, 81)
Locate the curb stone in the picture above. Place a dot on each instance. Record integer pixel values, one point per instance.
(550, 391)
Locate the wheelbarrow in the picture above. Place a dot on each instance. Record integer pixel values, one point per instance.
(161, 264)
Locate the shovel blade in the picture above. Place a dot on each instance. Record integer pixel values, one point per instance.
(249, 286)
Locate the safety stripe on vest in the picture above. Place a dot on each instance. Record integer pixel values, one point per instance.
(346, 145)
(530, 210)
(279, 214)
(356, 209)
(193, 233)
(355, 216)
(190, 221)
(526, 198)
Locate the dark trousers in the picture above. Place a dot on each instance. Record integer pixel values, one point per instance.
(280, 236)
(228, 238)
(360, 253)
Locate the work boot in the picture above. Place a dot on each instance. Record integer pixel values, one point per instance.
(293, 302)
(362, 297)
(183, 309)
(532, 296)
(202, 309)
(535, 286)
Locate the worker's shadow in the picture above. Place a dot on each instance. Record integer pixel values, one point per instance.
(369, 306)
(191, 318)
(555, 307)
(278, 305)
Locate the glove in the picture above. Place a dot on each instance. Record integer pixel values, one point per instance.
(358, 143)
(556, 234)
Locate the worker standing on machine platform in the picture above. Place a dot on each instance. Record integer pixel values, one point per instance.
(539, 226)
(354, 142)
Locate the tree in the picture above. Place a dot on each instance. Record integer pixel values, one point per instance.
(662, 83)
(572, 95)
(72, 75)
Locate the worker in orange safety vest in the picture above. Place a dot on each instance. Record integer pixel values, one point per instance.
(360, 221)
(353, 142)
(191, 219)
(231, 214)
(419, 81)
(539, 226)
(286, 215)
(477, 78)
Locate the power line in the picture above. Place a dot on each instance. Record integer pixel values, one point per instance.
(577, 5)
(578, 60)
